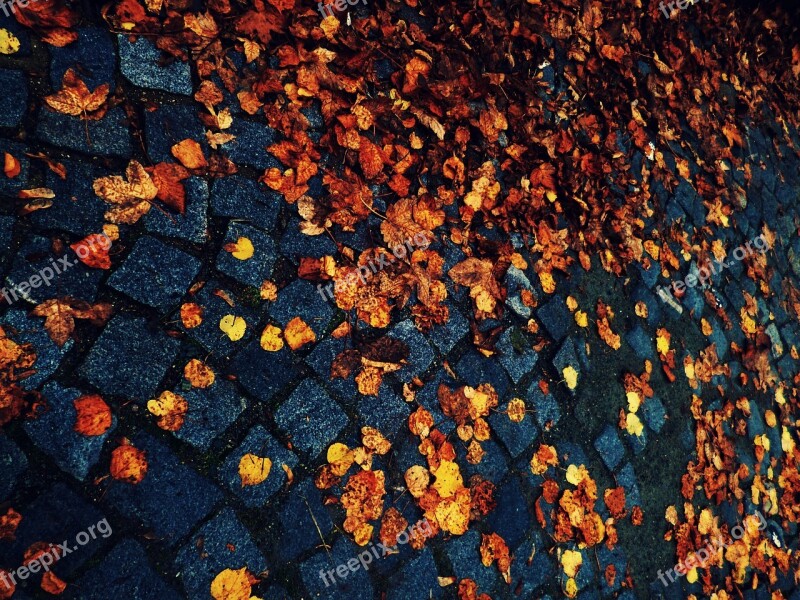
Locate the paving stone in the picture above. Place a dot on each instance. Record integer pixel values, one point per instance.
(642, 342)
(6, 235)
(494, 465)
(249, 147)
(465, 559)
(15, 99)
(311, 418)
(11, 186)
(302, 518)
(555, 317)
(301, 299)
(236, 196)
(140, 63)
(170, 500)
(516, 437)
(29, 330)
(295, 244)
(627, 479)
(320, 360)
(516, 281)
(417, 580)
(533, 574)
(222, 543)
(446, 336)
(74, 279)
(387, 413)
(355, 583)
(57, 515)
(76, 208)
(124, 573)
(255, 270)
(191, 226)
(476, 369)
(129, 359)
(654, 413)
(109, 136)
(92, 56)
(420, 356)
(215, 308)
(155, 273)
(264, 373)
(13, 463)
(169, 125)
(546, 407)
(610, 448)
(211, 411)
(53, 432)
(511, 510)
(260, 443)
(516, 353)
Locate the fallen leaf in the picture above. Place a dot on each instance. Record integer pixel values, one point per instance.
(94, 415)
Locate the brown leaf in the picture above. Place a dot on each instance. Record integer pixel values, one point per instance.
(75, 99)
(131, 198)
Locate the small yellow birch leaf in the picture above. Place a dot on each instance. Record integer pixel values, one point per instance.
(9, 44)
(241, 249)
(233, 326)
(581, 318)
(634, 401)
(570, 377)
(571, 562)
(231, 585)
(271, 339)
(448, 479)
(633, 425)
(253, 469)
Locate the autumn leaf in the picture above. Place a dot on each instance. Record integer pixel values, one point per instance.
(131, 198)
(75, 99)
(93, 251)
(93, 415)
(241, 248)
(253, 469)
(494, 549)
(298, 333)
(190, 154)
(233, 584)
(167, 178)
(191, 315)
(128, 464)
(60, 315)
(234, 327)
(198, 374)
(170, 408)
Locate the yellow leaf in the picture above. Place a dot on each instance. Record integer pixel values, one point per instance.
(448, 479)
(570, 376)
(662, 341)
(298, 333)
(691, 576)
(170, 408)
(198, 374)
(633, 425)
(241, 249)
(271, 340)
(547, 281)
(570, 588)
(576, 474)
(233, 326)
(9, 44)
(231, 585)
(253, 469)
(516, 410)
(634, 401)
(571, 562)
(581, 318)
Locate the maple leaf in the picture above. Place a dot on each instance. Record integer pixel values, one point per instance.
(75, 99)
(60, 315)
(93, 251)
(52, 19)
(131, 198)
(477, 274)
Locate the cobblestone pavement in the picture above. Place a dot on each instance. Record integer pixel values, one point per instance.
(190, 517)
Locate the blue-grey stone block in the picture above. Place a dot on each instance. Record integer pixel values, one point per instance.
(311, 418)
(192, 225)
(13, 463)
(14, 100)
(109, 136)
(140, 63)
(256, 269)
(211, 411)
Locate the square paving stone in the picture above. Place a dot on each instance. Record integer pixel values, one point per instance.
(155, 273)
(516, 353)
(264, 373)
(311, 418)
(387, 412)
(609, 447)
(420, 356)
(13, 463)
(515, 436)
(355, 584)
(446, 336)
(295, 244)
(169, 125)
(54, 433)
(141, 63)
(254, 270)
(546, 407)
(76, 208)
(108, 136)
(250, 145)
(170, 500)
(555, 317)
(211, 411)
(465, 558)
(124, 573)
(654, 413)
(222, 543)
(302, 518)
(531, 575)
(476, 369)
(243, 198)
(92, 56)
(15, 97)
(69, 276)
(30, 330)
(517, 282)
(416, 580)
(192, 225)
(301, 299)
(493, 466)
(129, 359)
(57, 515)
(260, 443)
(320, 361)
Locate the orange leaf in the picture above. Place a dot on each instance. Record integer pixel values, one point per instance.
(94, 415)
(75, 99)
(93, 251)
(167, 178)
(11, 166)
(128, 464)
(190, 154)
(191, 315)
(298, 334)
(52, 584)
(198, 374)
(170, 408)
